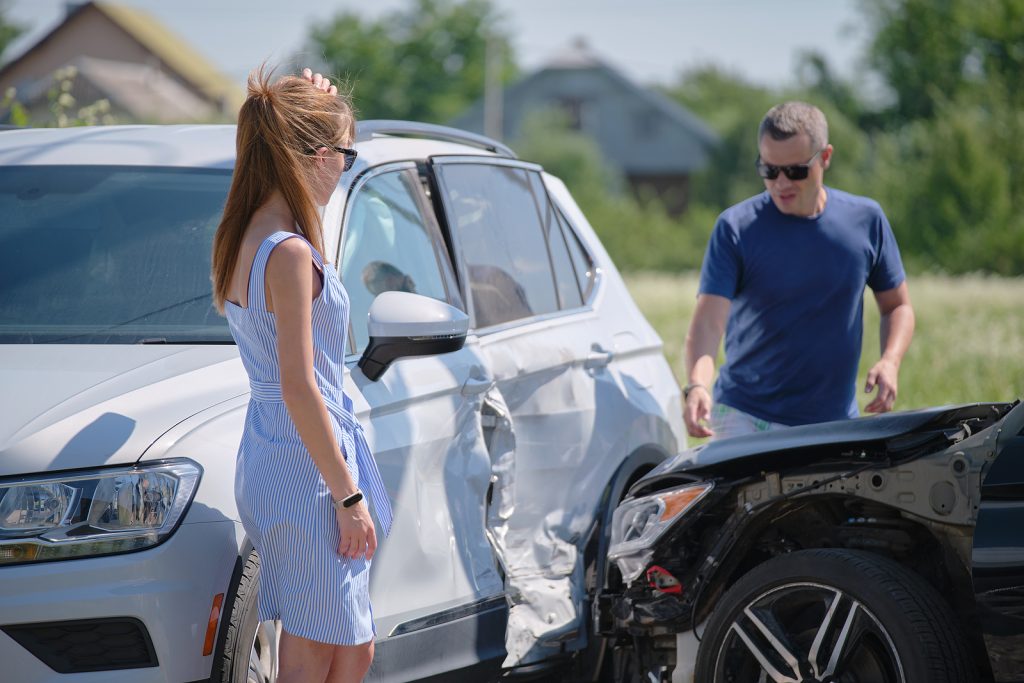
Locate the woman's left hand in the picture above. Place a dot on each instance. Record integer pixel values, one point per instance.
(319, 81)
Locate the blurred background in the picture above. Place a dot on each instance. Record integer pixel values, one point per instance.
(648, 110)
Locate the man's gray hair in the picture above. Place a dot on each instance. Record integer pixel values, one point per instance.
(785, 120)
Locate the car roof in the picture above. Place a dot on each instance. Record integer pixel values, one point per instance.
(191, 146)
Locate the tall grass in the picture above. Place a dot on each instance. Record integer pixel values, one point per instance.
(968, 347)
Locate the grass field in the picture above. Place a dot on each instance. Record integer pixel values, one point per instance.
(968, 346)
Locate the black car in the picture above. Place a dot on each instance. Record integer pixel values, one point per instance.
(880, 549)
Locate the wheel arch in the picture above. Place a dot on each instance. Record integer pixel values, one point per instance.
(225, 611)
(638, 463)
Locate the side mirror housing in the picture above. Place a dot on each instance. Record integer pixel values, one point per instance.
(403, 324)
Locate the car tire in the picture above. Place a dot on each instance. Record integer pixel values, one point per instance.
(853, 614)
(249, 653)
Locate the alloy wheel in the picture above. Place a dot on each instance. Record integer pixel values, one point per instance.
(263, 654)
(807, 633)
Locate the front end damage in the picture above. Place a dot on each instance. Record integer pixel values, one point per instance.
(905, 486)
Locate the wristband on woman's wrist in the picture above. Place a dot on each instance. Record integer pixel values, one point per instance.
(348, 501)
(691, 386)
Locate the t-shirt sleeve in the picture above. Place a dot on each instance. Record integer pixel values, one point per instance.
(887, 272)
(720, 272)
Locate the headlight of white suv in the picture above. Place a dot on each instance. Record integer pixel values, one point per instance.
(96, 512)
(637, 524)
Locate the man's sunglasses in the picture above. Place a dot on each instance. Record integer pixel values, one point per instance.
(793, 171)
(350, 154)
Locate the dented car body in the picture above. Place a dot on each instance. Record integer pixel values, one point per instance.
(887, 548)
(507, 384)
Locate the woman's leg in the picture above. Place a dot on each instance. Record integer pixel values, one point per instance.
(301, 660)
(350, 663)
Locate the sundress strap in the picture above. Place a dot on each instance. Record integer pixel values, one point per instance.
(369, 473)
(257, 274)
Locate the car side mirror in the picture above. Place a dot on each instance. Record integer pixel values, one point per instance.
(403, 324)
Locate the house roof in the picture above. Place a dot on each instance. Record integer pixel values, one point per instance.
(176, 53)
(172, 50)
(146, 94)
(649, 132)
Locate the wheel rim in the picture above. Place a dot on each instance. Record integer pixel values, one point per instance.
(807, 633)
(262, 655)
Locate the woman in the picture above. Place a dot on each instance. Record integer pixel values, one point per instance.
(303, 464)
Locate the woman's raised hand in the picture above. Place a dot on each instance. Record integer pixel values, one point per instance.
(319, 81)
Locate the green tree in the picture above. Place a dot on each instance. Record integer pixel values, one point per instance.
(9, 31)
(933, 51)
(424, 63)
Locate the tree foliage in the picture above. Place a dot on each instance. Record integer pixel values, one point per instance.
(930, 52)
(424, 63)
(9, 31)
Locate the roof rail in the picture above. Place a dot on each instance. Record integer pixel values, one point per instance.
(365, 130)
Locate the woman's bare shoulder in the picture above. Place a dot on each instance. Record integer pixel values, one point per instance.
(289, 255)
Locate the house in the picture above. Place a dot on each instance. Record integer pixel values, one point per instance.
(655, 142)
(125, 56)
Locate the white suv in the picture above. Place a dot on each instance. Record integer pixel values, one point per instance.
(511, 390)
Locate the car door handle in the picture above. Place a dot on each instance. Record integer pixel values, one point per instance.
(598, 358)
(474, 386)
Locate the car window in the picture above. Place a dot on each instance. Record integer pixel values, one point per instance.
(581, 261)
(494, 214)
(109, 254)
(391, 243)
(565, 274)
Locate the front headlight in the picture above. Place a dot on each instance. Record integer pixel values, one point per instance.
(637, 524)
(98, 512)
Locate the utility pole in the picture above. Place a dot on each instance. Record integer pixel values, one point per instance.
(493, 89)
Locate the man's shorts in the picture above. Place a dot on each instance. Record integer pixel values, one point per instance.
(726, 422)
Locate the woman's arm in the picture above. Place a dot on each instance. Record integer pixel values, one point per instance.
(290, 281)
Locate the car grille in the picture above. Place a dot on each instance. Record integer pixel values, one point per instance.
(87, 644)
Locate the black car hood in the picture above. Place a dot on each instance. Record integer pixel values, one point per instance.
(854, 439)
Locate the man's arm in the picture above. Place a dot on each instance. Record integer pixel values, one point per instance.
(895, 332)
(706, 330)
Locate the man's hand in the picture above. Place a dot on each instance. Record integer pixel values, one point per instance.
(319, 81)
(896, 328)
(706, 329)
(697, 413)
(884, 375)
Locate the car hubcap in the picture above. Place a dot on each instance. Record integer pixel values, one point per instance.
(807, 633)
(263, 655)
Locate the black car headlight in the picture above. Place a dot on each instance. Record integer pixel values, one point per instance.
(97, 512)
(638, 523)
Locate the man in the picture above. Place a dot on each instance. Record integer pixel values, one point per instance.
(783, 278)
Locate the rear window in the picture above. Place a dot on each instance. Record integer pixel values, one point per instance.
(102, 254)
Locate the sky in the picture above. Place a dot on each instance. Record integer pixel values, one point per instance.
(652, 41)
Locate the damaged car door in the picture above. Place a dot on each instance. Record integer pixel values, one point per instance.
(541, 345)
(435, 583)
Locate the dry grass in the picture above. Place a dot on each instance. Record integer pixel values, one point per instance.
(969, 343)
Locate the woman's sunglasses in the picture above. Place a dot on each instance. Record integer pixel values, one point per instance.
(793, 171)
(350, 154)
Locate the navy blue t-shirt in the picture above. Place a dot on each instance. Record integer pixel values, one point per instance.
(793, 340)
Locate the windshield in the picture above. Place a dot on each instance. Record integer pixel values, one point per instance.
(109, 254)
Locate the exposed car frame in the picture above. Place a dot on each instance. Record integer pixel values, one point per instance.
(938, 491)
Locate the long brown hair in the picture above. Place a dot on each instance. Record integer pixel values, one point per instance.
(279, 125)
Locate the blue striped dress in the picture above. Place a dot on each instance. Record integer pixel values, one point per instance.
(283, 502)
